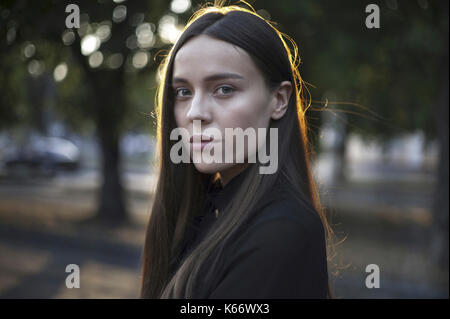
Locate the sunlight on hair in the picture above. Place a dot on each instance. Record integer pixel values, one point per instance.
(170, 32)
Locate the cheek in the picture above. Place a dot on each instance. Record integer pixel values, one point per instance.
(180, 118)
(248, 111)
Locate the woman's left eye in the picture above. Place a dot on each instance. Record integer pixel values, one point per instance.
(226, 90)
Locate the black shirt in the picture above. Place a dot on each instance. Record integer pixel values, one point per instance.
(280, 254)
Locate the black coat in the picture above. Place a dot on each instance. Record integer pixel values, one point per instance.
(281, 253)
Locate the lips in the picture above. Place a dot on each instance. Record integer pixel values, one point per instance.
(200, 138)
(199, 142)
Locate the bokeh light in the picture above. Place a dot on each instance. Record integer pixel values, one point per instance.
(89, 44)
(140, 59)
(68, 37)
(119, 13)
(35, 68)
(60, 72)
(115, 61)
(95, 59)
(168, 29)
(29, 50)
(103, 32)
(145, 36)
(180, 6)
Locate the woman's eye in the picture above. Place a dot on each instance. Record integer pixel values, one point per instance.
(183, 90)
(225, 90)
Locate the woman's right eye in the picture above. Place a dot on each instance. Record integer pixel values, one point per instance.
(183, 90)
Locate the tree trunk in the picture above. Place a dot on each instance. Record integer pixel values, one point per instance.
(110, 106)
(107, 93)
(111, 201)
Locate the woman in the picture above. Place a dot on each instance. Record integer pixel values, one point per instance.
(220, 229)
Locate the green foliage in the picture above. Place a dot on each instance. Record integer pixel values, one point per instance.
(394, 71)
(79, 96)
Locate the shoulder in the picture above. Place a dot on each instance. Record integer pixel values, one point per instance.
(282, 227)
(283, 203)
(280, 254)
(284, 220)
(287, 208)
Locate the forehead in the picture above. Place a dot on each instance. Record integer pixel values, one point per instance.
(204, 55)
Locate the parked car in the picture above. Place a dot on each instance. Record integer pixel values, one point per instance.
(42, 154)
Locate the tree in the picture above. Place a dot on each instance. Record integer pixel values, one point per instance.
(400, 72)
(108, 30)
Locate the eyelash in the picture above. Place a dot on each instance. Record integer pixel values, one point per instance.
(223, 86)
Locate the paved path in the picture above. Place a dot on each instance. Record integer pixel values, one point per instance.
(40, 234)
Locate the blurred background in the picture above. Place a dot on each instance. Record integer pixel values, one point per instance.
(77, 139)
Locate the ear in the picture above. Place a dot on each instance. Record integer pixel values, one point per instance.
(281, 97)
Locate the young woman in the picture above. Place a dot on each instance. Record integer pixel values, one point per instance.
(221, 229)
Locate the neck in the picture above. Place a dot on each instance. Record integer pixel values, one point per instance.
(228, 174)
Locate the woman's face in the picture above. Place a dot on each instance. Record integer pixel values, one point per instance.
(218, 85)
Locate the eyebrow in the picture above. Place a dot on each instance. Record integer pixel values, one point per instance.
(213, 77)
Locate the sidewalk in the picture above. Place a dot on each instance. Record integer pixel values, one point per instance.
(41, 231)
(36, 250)
(44, 227)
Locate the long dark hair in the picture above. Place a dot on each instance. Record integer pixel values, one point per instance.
(175, 204)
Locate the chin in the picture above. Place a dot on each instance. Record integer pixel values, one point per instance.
(212, 168)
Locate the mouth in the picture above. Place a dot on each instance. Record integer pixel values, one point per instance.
(199, 142)
(200, 138)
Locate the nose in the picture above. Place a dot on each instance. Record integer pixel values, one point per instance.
(199, 109)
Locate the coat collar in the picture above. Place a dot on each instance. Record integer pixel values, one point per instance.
(219, 196)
